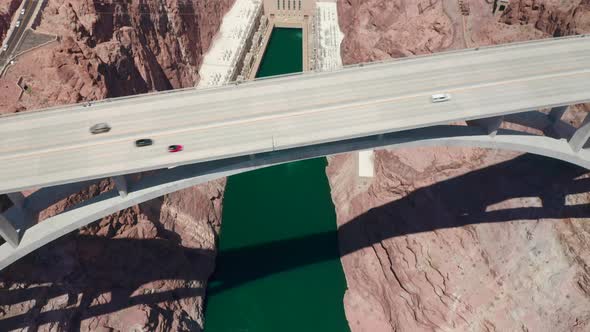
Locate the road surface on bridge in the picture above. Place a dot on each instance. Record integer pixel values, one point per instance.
(55, 146)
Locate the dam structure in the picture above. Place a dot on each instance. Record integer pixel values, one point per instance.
(224, 60)
(239, 46)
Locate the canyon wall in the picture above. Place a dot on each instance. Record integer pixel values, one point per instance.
(144, 268)
(553, 17)
(113, 48)
(457, 239)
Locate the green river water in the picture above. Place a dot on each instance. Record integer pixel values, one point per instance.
(278, 266)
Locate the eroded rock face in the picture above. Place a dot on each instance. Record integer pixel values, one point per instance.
(377, 29)
(142, 46)
(554, 17)
(114, 48)
(461, 239)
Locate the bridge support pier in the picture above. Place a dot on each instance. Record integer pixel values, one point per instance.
(17, 219)
(557, 112)
(8, 231)
(490, 125)
(121, 185)
(581, 136)
(17, 199)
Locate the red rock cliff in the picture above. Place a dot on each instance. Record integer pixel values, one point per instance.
(140, 46)
(556, 18)
(112, 48)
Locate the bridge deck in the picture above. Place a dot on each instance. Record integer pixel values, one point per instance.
(55, 146)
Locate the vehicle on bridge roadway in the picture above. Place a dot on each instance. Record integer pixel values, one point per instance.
(22, 11)
(100, 128)
(143, 142)
(440, 97)
(5, 47)
(175, 148)
(17, 24)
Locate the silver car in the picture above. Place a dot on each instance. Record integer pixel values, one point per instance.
(440, 97)
(100, 128)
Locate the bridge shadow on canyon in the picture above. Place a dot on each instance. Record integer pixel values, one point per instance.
(120, 266)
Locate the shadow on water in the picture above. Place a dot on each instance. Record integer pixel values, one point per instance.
(451, 203)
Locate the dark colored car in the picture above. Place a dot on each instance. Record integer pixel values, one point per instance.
(175, 148)
(143, 142)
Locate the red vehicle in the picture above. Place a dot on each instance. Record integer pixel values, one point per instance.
(175, 148)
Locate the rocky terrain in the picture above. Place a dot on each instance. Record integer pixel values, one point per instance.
(553, 17)
(379, 29)
(7, 9)
(449, 239)
(113, 48)
(144, 268)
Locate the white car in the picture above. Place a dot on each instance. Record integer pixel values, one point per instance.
(440, 97)
(17, 24)
(22, 11)
(5, 47)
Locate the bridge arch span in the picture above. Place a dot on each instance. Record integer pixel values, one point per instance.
(171, 180)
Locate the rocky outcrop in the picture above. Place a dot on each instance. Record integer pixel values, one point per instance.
(116, 49)
(7, 9)
(377, 29)
(142, 46)
(556, 18)
(456, 239)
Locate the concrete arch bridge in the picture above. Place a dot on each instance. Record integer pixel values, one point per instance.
(242, 127)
